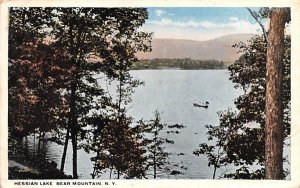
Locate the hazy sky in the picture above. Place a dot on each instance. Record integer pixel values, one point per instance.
(199, 23)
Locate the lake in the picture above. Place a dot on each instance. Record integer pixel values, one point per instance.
(172, 92)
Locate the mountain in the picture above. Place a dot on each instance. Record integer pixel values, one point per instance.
(217, 49)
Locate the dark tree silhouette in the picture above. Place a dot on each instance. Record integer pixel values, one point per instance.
(72, 45)
(244, 130)
(154, 137)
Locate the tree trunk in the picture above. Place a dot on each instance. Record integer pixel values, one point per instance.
(154, 166)
(118, 174)
(74, 146)
(120, 97)
(154, 153)
(44, 150)
(111, 169)
(34, 146)
(217, 162)
(73, 128)
(39, 143)
(63, 159)
(43, 140)
(274, 109)
(94, 170)
(73, 117)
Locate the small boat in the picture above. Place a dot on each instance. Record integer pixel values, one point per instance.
(201, 105)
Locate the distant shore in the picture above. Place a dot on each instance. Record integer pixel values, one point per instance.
(178, 64)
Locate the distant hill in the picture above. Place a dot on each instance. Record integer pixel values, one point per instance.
(216, 49)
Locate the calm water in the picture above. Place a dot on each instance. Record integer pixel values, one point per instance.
(173, 93)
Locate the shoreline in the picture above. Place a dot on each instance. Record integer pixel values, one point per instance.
(175, 69)
(19, 171)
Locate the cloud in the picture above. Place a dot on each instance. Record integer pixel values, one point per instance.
(234, 23)
(208, 24)
(160, 12)
(163, 21)
(233, 19)
(199, 30)
(169, 22)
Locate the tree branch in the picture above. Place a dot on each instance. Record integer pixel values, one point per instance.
(259, 22)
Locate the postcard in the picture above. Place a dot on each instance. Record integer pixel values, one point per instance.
(149, 93)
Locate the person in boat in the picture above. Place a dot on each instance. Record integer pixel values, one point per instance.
(202, 105)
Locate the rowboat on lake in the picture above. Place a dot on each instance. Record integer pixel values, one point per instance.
(201, 105)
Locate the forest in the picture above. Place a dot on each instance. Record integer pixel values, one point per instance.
(58, 59)
(183, 64)
(55, 58)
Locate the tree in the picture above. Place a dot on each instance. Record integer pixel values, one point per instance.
(245, 143)
(84, 42)
(117, 149)
(252, 78)
(274, 92)
(87, 33)
(219, 135)
(154, 138)
(35, 102)
(123, 42)
(186, 64)
(274, 111)
(115, 143)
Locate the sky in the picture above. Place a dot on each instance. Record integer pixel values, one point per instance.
(200, 23)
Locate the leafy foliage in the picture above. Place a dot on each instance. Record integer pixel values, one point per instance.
(153, 136)
(266, 11)
(116, 137)
(240, 136)
(118, 150)
(35, 100)
(115, 142)
(56, 55)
